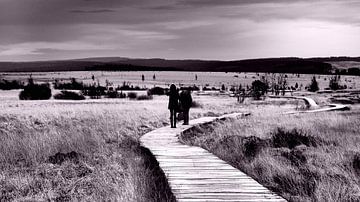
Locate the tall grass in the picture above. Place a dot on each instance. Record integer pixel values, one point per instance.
(110, 164)
(306, 157)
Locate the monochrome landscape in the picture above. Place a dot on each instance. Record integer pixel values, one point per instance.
(85, 92)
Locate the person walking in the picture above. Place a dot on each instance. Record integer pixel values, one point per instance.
(173, 104)
(185, 103)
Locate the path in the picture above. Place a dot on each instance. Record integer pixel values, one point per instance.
(310, 103)
(194, 174)
(312, 106)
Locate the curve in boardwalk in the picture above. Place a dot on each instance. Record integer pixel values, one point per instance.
(313, 106)
(195, 174)
(310, 103)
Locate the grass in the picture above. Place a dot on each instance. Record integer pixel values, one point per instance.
(112, 165)
(305, 157)
(107, 162)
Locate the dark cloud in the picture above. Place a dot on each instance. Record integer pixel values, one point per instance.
(93, 11)
(208, 3)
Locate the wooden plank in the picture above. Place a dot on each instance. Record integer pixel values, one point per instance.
(194, 174)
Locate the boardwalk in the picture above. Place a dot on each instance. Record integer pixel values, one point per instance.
(195, 174)
(312, 106)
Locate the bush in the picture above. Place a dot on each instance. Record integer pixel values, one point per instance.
(258, 89)
(115, 94)
(35, 92)
(73, 85)
(252, 146)
(69, 95)
(156, 91)
(356, 163)
(293, 138)
(95, 92)
(195, 104)
(190, 88)
(145, 97)
(334, 83)
(314, 86)
(9, 85)
(132, 95)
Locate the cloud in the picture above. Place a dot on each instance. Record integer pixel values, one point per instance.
(34, 48)
(190, 28)
(330, 11)
(93, 11)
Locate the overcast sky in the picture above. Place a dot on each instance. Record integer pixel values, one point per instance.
(181, 29)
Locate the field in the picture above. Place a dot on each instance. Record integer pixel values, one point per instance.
(304, 157)
(88, 150)
(109, 163)
(164, 79)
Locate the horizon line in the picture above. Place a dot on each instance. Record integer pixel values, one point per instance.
(184, 59)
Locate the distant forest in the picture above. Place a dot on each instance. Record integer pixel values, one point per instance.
(271, 65)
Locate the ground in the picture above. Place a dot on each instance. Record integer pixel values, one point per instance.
(303, 157)
(37, 139)
(164, 79)
(89, 150)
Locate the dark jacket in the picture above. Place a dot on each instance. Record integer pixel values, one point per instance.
(173, 100)
(185, 99)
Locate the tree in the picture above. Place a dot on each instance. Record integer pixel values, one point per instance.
(240, 94)
(265, 80)
(314, 86)
(223, 87)
(258, 89)
(281, 84)
(35, 91)
(334, 83)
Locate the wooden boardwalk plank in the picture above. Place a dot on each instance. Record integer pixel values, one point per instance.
(195, 174)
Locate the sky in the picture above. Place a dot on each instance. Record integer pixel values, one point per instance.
(33, 30)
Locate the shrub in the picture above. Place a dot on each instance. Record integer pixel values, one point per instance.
(73, 85)
(356, 163)
(115, 94)
(69, 95)
(252, 146)
(195, 104)
(132, 95)
(156, 91)
(291, 139)
(334, 83)
(35, 92)
(144, 97)
(246, 148)
(258, 89)
(296, 157)
(59, 157)
(95, 92)
(190, 88)
(314, 86)
(9, 85)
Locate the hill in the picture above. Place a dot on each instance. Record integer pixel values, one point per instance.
(274, 65)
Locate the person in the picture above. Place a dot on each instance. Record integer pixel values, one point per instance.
(173, 104)
(185, 103)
